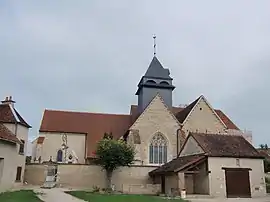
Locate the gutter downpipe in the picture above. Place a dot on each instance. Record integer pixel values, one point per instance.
(177, 139)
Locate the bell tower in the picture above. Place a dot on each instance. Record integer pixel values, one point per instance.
(155, 81)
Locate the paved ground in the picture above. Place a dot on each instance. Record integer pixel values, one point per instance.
(265, 199)
(58, 195)
(55, 195)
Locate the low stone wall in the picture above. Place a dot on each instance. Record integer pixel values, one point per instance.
(35, 174)
(133, 179)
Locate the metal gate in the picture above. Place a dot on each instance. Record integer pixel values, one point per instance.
(51, 176)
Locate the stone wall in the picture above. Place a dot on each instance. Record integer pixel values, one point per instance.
(128, 180)
(35, 174)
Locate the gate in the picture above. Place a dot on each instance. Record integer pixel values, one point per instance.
(51, 176)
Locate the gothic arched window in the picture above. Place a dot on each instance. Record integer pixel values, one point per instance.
(59, 155)
(158, 149)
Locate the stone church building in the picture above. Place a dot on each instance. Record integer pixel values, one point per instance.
(196, 147)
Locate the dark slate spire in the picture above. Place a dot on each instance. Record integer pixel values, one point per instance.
(156, 80)
(156, 70)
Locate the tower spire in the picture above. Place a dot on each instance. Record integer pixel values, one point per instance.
(155, 50)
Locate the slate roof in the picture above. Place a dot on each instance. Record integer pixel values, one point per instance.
(178, 163)
(224, 145)
(8, 114)
(7, 135)
(156, 70)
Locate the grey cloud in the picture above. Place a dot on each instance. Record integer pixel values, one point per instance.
(90, 55)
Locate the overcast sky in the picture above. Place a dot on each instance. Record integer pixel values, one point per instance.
(90, 55)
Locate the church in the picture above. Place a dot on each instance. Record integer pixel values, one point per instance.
(194, 147)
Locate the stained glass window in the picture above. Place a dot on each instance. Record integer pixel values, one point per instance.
(158, 149)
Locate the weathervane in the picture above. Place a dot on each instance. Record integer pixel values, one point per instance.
(155, 50)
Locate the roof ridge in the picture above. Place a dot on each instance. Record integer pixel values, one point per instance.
(84, 112)
(186, 111)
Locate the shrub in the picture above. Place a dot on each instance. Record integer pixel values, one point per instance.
(95, 189)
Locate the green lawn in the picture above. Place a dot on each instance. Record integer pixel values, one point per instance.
(93, 197)
(19, 196)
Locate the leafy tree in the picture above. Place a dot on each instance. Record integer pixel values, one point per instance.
(28, 159)
(266, 163)
(263, 146)
(111, 154)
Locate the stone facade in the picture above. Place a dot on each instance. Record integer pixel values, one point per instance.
(133, 179)
(52, 143)
(155, 118)
(217, 183)
(11, 158)
(203, 119)
(191, 148)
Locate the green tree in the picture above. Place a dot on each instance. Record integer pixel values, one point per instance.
(263, 146)
(111, 154)
(266, 163)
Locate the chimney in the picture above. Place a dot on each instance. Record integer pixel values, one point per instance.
(8, 100)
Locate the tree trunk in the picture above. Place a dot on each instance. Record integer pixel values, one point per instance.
(109, 179)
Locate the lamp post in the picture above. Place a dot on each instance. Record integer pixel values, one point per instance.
(64, 146)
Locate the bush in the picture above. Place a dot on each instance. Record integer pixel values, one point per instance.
(268, 188)
(267, 181)
(95, 189)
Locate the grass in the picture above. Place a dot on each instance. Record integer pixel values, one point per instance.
(95, 197)
(19, 196)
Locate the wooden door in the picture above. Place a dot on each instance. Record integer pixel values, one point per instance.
(237, 183)
(163, 184)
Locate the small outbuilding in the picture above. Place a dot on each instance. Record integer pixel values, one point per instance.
(214, 164)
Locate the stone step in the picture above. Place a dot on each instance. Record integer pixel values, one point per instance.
(49, 185)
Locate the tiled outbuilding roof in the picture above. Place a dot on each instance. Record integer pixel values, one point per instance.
(177, 164)
(7, 135)
(225, 145)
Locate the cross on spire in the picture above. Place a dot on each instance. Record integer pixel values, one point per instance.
(155, 50)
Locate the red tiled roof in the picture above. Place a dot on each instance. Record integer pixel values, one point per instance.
(9, 116)
(225, 145)
(7, 135)
(228, 122)
(94, 125)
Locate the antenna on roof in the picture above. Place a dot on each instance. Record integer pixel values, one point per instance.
(155, 50)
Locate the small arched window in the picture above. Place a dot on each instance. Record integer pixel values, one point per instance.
(59, 155)
(158, 149)
(164, 83)
(151, 81)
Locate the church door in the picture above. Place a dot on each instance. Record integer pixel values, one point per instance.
(163, 184)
